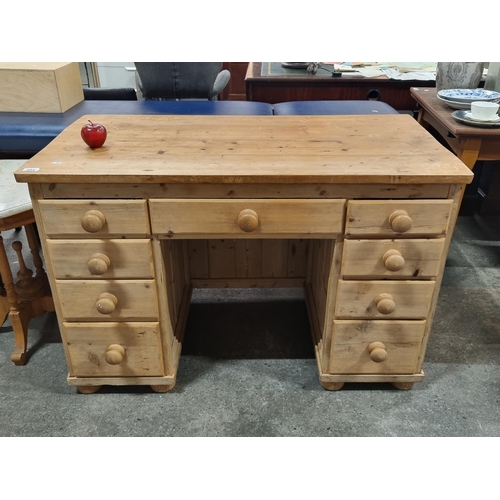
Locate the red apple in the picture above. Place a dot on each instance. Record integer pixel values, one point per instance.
(94, 134)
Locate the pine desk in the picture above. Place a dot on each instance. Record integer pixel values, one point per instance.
(357, 210)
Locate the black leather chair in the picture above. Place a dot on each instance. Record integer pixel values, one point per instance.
(181, 80)
(109, 94)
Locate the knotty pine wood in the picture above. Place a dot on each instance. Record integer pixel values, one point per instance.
(349, 353)
(357, 299)
(88, 342)
(364, 257)
(237, 191)
(124, 217)
(247, 258)
(137, 299)
(128, 258)
(255, 149)
(196, 218)
(369, 217)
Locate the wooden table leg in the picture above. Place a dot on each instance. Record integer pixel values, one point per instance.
(20, 332)
(29, 298)
(469, 151)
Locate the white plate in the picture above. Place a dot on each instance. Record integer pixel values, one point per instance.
(455, 105)
(468, 114)
(461, 116)
(468, 95)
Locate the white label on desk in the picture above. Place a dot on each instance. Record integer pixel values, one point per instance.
(31, 169)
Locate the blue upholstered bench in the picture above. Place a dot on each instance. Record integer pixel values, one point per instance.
(333, 108)
(28, 133)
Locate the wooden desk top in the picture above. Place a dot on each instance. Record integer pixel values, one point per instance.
(384, 149)
(427, 98)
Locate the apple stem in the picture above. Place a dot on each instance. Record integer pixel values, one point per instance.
(91, 122)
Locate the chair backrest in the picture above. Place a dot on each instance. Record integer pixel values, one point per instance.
(109, 94)
(177, 80)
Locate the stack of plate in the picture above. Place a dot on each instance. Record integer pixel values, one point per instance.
(462, 98)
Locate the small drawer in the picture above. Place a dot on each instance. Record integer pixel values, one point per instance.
(375, 347)
(247, 218)
(416, 258)
(108, 300)
(384, 299)
(398, 217)
(114, 349)
(102, 218)
(101, 259)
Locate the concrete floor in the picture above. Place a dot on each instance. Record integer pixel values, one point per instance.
(248, 369)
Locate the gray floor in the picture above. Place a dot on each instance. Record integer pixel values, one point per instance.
(260, 379)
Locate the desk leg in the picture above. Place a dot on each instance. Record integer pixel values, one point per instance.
(469, 151)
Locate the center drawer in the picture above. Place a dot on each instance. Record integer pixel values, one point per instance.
(246, 218)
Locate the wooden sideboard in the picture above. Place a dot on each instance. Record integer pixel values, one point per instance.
(357, 210)
(298, 85)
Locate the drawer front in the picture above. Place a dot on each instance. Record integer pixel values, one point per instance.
(114, 349)
(415, 258)
(394, 217)
(384, 299)
(108, 300)
(101, 259)
(375, 347)
(247, 218)
(101, 218)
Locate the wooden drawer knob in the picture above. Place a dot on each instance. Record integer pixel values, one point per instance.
(98, 263)
(377, 352)
(385, 303)
(106, 303)
(93, 221)
(248, 220)
(115, 354)
(400, 221)
(393, 260)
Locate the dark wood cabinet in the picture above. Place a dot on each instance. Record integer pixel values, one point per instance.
(301, 86)
(235, 89)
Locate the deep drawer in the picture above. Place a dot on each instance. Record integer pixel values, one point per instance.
(398, 217)
(102, 218)
(114, 349)
(108, 300)
(379, 346)
(247, 218)
(101, 259)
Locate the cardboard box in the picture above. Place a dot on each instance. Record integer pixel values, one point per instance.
(39, 87)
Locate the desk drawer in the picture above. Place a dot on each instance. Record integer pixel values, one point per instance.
(394, 217)
(416, 258)
(247, 218)
(101, 259)
(384, 299)
(108, 300)
(114, 349)
(102, 218)
(376, 347)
